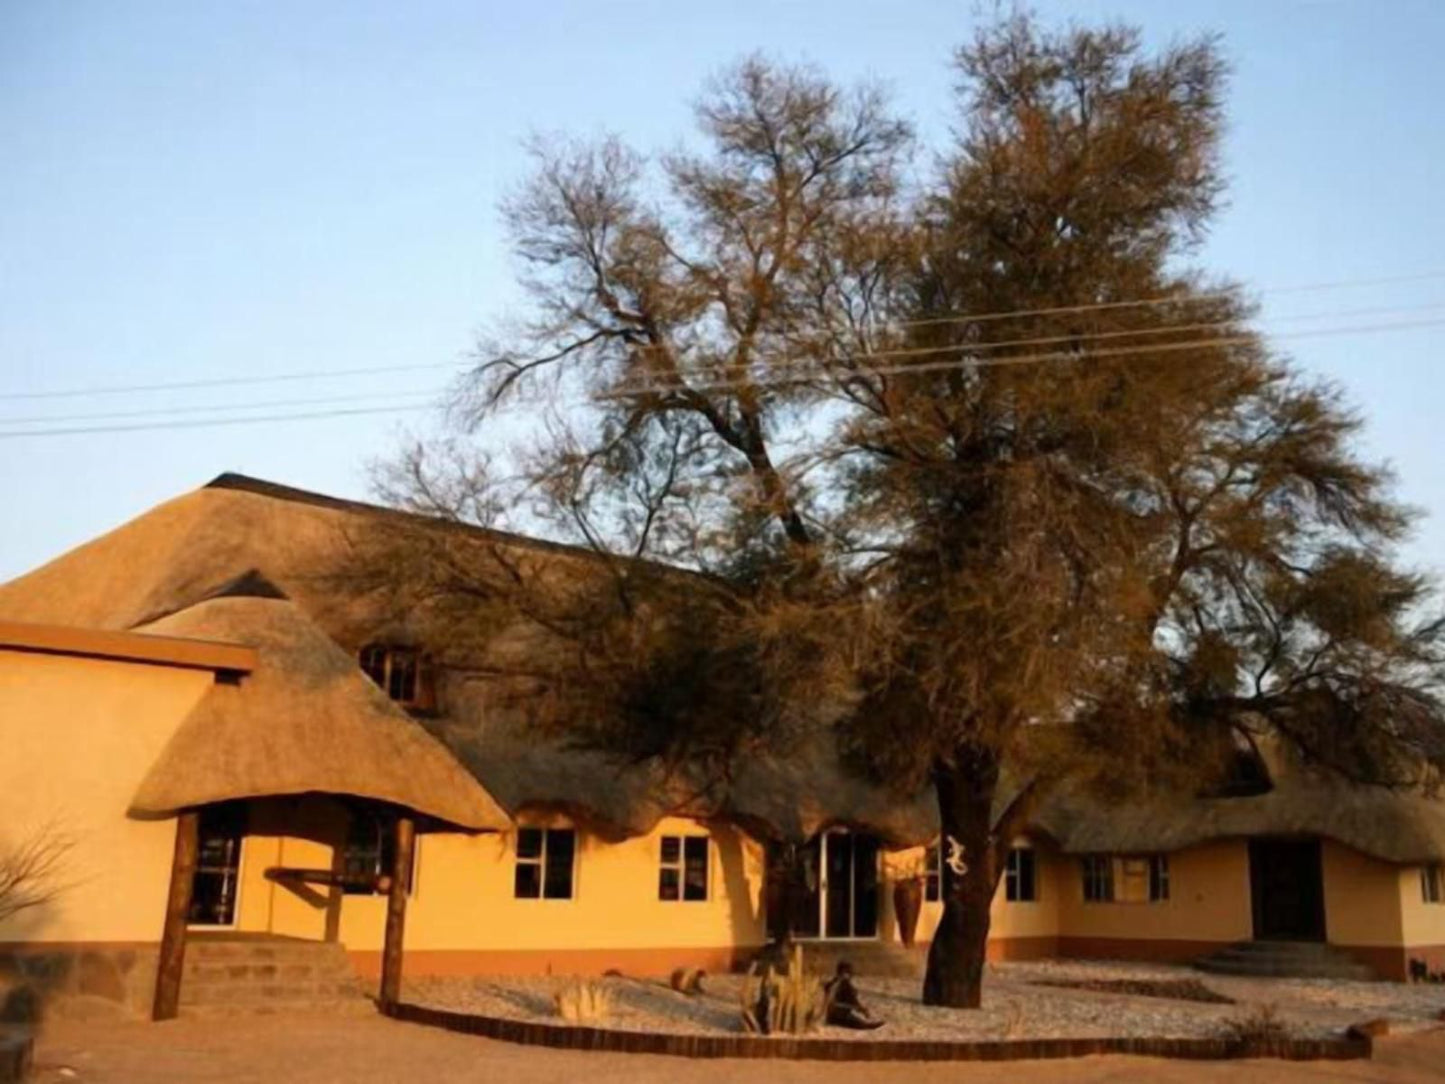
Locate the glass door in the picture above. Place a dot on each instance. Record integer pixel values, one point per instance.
(218, 867)
(849, 890)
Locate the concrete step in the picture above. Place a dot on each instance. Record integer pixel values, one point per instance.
(289, 1006)
(869, 959)
(1284, 959)
(251, 974)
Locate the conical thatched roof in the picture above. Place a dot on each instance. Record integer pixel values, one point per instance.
(307, 720)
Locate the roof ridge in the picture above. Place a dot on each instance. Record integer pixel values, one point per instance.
(261, 487)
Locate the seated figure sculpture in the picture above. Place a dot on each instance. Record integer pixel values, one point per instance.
(845, 1007)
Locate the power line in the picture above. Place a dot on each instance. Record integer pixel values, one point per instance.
(1174, 299)
(210, 408)
(652, 388)
(645, 387)
(208, 422)
(226, 381)
(330, 400)
(327, 374)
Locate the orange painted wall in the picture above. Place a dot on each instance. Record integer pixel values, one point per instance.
(77, 735)
(463, 900)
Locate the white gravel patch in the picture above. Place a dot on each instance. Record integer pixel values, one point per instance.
(1014, 1007)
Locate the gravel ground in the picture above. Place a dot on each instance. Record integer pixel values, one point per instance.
(1014, 1007)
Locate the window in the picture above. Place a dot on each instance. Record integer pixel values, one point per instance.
(402, 673)
(545, 860)
(218, 866)
(933, 873)
(1432, 883)
(683, 873)
(1018, 878)
(1098, 871)
(1158, 878)
(369, 853)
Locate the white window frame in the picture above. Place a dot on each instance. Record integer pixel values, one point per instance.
(1432, 883)
(541, 863)
(236, 894)
(1089, 867)
(1160, 887)
(680, 865)
(1013, 879)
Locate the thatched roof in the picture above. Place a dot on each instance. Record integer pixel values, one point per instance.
(182, 551)
(1398, 827)
(307, 720)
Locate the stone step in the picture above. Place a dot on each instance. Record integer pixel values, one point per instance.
(869, 959)
(261, 974)
(246, 994)
(357, 1006)
(1282, 959)
(240, 971)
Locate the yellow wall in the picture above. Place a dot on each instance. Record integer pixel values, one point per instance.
(1017, 919)
(463, 898)
(77, 735)
(1362, 897)
(1208, 900)
(1422, 923)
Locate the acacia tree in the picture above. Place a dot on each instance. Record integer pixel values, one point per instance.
(975, 450)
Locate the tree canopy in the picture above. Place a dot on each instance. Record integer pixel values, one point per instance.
(969, 449)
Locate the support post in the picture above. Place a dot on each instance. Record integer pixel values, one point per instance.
(178, 905)
(396, 912)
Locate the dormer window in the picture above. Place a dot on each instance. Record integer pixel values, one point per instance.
(403, 673)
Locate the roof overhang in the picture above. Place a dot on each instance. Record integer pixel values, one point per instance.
(212, 655)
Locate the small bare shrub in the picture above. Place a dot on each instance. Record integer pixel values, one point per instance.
(792, 1003)
(30, 869)
(583, 1002)
(1263, 1025)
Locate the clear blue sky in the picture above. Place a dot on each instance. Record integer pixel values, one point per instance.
(198, 190)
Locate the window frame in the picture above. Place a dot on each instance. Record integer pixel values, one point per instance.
(933, 873)
(679, 866)
(542, 860)
(1159, 878)
(384, 851)
(380, 662)
(1096, 873)
(228, 825)
(1014, 879)
(1432, 883)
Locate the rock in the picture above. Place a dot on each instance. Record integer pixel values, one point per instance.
(1369, 1029)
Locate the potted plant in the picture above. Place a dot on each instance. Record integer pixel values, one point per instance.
(908, 901)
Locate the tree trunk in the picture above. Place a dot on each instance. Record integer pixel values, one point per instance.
(969, 875)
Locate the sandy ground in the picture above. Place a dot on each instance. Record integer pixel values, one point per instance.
(316, 1049)
(1015, 1005)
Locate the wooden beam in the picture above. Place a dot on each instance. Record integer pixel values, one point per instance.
(178, 905)
(396, 912)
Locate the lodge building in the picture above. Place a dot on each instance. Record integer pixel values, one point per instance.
(222, 743)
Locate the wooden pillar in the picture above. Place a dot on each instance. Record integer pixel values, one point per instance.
(178, 905)
(396, 912)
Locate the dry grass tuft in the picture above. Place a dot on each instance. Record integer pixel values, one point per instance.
(583, 1002)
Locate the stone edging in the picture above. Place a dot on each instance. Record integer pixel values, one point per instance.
(16, 1048)
(755, 1046)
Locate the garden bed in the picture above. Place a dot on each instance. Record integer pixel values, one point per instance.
(1046, 1009)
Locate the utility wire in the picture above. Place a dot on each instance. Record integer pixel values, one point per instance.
(211, 408)
(1173, 299)
(208, 422)
(436, 393)
(654, 387)
(326, 374)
